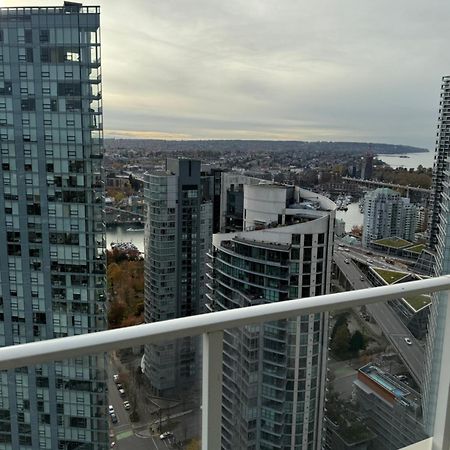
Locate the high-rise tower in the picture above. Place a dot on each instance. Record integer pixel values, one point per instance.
(274, 373)
(52, 235)
(439, 234)
(388, 214)
(178, 234)
(440, 164)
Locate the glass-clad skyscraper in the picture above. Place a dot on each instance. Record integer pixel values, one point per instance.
(178, 233)
(52, 234)
(439, 234)
(274, 373)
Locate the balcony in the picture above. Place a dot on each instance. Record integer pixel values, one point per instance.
(212, 326)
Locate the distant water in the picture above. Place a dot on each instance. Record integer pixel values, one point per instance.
(351, 217)
(119, 233)
(414, 160)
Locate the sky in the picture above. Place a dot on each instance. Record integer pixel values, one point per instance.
(347, 70)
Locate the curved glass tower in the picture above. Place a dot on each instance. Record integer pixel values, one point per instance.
(274, 373)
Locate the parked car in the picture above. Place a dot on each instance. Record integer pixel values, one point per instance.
(119, 386)
(126, 405)
(111, 409)
(116, 378)
(113, 418)
(408, 341)
(122, 392)
(346, 261)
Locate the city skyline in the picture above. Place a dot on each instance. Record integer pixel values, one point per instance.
(264, 71)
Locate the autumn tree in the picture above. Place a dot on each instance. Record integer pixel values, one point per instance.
(357, 230)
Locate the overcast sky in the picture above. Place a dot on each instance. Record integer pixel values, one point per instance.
(273, 69)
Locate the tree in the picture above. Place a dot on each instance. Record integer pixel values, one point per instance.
(357, 230)
(116, 314)
(341, 319)
(357, 342)
(340, 343)
(193, 445)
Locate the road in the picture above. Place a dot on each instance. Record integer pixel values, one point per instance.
(186, 424)
(392, 327)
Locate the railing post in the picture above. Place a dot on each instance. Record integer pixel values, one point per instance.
(441, 433)
(212, 390)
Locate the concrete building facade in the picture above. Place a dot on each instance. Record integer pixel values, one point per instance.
(274, 374)
(52, 233)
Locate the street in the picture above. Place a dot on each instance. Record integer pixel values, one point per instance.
(392, 327)
(184, 424)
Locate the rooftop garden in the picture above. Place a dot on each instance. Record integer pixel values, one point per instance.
(390, 276)
(416, 248)
(417, 301)
(393, 242)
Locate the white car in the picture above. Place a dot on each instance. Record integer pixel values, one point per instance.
(166, 435)
(122, 392)
(408, 341)
(116, 378)
(111, 409)
(126, 405)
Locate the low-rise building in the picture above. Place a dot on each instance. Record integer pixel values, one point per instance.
(392, 409)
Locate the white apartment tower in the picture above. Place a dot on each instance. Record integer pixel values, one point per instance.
(274, 373)
(388, 214)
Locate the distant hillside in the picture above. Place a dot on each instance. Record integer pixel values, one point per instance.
(252, 146)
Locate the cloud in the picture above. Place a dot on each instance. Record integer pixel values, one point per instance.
(292, 68)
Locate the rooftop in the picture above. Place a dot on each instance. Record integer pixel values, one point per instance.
(416, 248)
(389, 276)
(393, 242)
(385, 381)
(417, 302)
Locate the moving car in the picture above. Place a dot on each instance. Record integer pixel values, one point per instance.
(166, 435)
(346, 261)
(408, 341)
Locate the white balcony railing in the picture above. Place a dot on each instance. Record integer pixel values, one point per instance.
(211, 327)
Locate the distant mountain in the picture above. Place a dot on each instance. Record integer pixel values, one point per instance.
(252, 145)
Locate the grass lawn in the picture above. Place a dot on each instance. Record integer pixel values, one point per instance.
(416, 248)
(390, 276)
(417, 301)
(393, 242)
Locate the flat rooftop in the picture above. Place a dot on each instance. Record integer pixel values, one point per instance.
(385, 380)
(393, 242)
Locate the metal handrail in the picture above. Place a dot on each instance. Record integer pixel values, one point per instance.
(68, 347)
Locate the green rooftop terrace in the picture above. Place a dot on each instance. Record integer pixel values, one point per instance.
(392, 242)
(417, 301)
(390, 276)
(416, 248)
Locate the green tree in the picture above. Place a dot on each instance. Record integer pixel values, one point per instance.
(341, 319)
(357, 342)
(340, 342)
